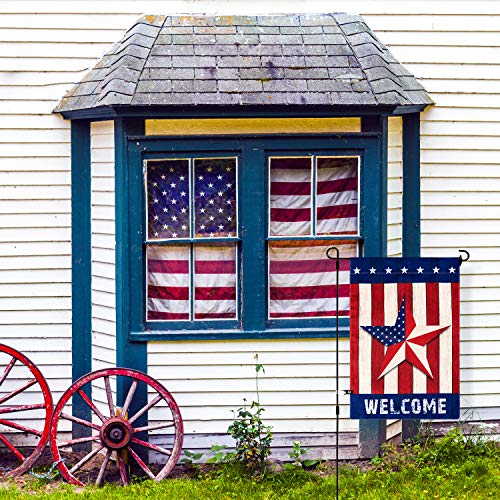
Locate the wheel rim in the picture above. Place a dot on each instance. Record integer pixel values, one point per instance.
(139, 439)
(25, 410)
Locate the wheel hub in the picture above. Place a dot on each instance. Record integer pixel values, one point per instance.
(116, 433)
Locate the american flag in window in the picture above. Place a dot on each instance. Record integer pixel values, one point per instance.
(193, 200)
(310, 197)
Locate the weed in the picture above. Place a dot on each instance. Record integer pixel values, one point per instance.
(253, 437)
(297, 456)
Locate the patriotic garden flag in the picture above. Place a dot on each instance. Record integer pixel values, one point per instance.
(405, 338)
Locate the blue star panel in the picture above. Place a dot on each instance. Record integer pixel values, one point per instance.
(168, 199)
(215, 210)
(390, 335)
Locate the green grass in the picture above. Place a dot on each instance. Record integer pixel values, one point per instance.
(455, 467)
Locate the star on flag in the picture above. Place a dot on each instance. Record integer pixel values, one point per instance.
(405, 341)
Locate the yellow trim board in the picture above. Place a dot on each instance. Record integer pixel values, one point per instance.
(214, 126)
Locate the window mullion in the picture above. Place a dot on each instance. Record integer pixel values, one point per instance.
(253, 226)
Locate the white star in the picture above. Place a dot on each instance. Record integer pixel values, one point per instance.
(156, 235)
(174, 235)
(211, 234)
(184, 227)
(155, 200)
(200, 177)
(174, 217)
(202, 193)
(229, 218)
(388, 270)
(436, 270)
(183, 210)
(155, 184)
(372, 270)
(171, 169)
(181, 178)
(210, 185)
(220, 193)
(211, 217)
(228, 186)
(219, 177)
(220, 210)
(221, 227)
(172, 185)
(228, 202)
(202, 210)
(164, 193)
(163, 177)
(404, 270)
(165, 226)
(173, 202)
(183, 193)
(202, 227)
(452, 270)
(209, 169)
(211, 202)
(165, 209)
(420, 270)
(156, 217)
(228, 169)
(357, 270)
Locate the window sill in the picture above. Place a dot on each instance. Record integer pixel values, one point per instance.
(272, 333)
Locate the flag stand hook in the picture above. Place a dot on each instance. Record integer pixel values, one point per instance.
(467, 256)
(337, 407)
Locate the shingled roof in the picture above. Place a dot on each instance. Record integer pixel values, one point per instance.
(327, 59)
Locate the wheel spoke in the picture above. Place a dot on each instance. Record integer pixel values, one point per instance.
(10, 409)
(154, 427)
(104, 464)
(71, 442)
(144, 409)
(11, 447)
(141, 462)
(92, 406)
(121, 466)
(7, 370)
(128, 400)
(80, 421)
(109, 396)
(20, 427)
(18, 390)
(85, 459)
(159, 449)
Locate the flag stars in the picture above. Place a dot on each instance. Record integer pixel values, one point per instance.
(174, 235)
(404, 270)
(165, 209)
(202, 210)
(174, 202)
(220, 210)
(155, 200)
(184, 227)
(200, 177)
(172, 185)
(202, 194)
(220, 193)
(171, 169)
(183, 210)
(174, 218)
(211, 202)
(373, 270)
(164, 193)
(157, 234)
(165, 226)
(357, 270)
(420, 270)
(210, 185)
(211, 217)
(163, 177)
(181, 178)
(452, 270)
(219, 177)
(183, 193)
(436, 270)
(388, 270)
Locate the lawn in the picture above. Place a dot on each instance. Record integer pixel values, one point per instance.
(453, 467)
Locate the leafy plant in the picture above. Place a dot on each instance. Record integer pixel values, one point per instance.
(253, 437)
(219, 456)
(190, 457)
(297, 456)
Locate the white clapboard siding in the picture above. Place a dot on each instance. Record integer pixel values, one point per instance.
(103, 249)
(394, 188)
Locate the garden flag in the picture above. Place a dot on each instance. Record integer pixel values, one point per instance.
(405, 338)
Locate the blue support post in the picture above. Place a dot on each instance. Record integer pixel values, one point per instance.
(128, 354)
(81, 264)
(372, 433)
(411, 212)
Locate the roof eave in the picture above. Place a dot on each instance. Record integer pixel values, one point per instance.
(237, 111)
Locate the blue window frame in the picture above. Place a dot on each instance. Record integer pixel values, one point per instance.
(254, 238)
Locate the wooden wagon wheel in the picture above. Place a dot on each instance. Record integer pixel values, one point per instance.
(25, 411)
(139, 438)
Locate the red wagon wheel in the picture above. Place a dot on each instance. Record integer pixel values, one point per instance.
(25, 411)
(138, 438)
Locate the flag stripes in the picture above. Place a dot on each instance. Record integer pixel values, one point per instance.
(170, 294)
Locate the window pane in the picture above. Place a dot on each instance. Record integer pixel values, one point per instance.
(302, 279)
(168, 282)
(337, 195)
(215, 281)
(168, 199)
(215, 206)
(290, 196)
